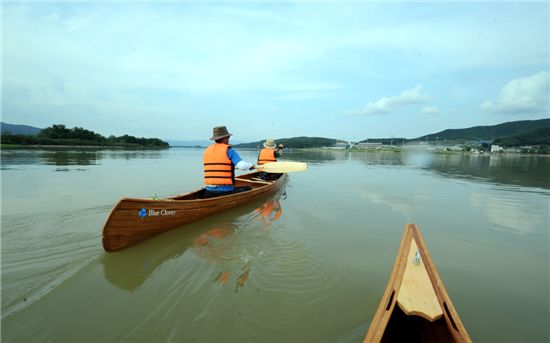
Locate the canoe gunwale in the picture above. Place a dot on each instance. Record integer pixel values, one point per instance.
(449, 312)
(214, 205)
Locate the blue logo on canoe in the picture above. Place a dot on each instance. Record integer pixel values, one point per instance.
(143, 213)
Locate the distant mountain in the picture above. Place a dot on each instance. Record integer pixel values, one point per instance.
(295, 142)
(18, 129)
(201, 142)
(489, 133)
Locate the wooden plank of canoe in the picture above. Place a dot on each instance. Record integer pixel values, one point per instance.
(254, 181)
(417, 295)
(135, 220)
(385, 308)
(450, 314)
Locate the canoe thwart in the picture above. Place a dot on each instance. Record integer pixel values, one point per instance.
(254, 181)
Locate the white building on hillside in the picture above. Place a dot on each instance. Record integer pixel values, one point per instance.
(496, 148)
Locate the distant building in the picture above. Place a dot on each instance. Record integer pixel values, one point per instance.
(341, 145)
(367, 144)
(496, 148)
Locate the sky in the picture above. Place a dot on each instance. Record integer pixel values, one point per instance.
(344, 70)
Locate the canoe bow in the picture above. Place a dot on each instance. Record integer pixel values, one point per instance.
(415, 305)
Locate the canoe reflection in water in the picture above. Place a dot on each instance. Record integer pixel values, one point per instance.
(270, 211)
(219, 246)
(231, 244)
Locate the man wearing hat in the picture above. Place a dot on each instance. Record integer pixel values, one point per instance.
(268, 154)
(220, 161)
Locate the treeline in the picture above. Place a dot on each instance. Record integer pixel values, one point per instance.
(510, 134)
(387, 141)
(536, 137)
(61, 135)
(294, 143)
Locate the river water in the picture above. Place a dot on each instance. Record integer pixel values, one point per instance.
(306, 265)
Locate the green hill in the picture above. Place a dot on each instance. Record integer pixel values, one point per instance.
(14, 129)
(488, 133)
(536, 137)
(523, 132)
(295, 142)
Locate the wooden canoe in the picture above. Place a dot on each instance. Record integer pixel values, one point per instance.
(134, 220)
(415, 306)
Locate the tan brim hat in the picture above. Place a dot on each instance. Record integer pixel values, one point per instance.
(269, 143)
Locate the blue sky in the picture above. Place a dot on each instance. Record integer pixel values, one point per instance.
(349, 70)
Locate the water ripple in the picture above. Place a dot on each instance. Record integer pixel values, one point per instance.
(40, 251)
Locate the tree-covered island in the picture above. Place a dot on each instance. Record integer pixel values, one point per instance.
(60, 135)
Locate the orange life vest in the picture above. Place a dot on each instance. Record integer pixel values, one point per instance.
(218, 169)
(266, 155)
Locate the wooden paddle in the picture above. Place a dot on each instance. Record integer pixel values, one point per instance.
(282, 167)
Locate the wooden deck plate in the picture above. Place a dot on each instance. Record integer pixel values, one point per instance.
(417, 296)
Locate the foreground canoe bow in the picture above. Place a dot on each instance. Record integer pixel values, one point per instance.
(134, 220)
(415, 306)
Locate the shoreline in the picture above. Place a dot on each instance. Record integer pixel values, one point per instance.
(358, 150)
(434, 151)
(400, 149)
(59, 146)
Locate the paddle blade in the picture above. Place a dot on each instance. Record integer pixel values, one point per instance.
(282, 167)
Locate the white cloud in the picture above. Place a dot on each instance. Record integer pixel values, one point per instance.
(128, 61)
(408, 97)
(524, 95)
(430, 110)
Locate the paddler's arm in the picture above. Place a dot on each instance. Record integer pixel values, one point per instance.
(279, 151)
(238, 161)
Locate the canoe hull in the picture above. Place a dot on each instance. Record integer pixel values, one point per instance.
(392, 323)
(134, 220)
